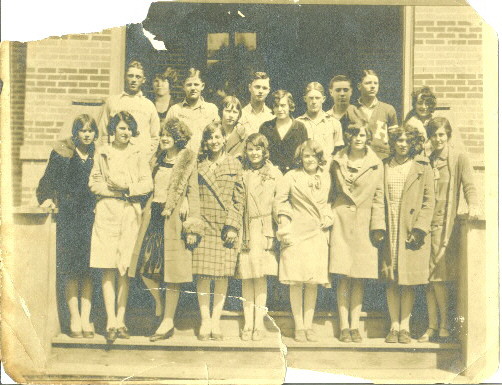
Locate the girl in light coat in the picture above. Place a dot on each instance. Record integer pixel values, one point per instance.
(304, 218)
(359, 225)
(258, 254)
(120, 177)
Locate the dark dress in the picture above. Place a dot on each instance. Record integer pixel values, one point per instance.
(66, 182)
(282, 151)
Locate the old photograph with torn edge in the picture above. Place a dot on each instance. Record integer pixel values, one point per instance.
(228, 190)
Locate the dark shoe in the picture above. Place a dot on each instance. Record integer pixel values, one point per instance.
(300, 335)
(164, 336)
(356, 336)
(89, 334)
(76, 334)
(429, 335)
(311, 335)
(444, 336)
(111, 335)
(392, 337)
(123, 333)
(345, 336)
(404, 337)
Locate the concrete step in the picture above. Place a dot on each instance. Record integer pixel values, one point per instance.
(372, 324)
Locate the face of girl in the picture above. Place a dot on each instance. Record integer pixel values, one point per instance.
(402, 146)
(161, 86)
(281, 108)
(166, 140)
(230, 115)
(358, 142)
(309, 161)
(341, 92)
(193, 88)
(254, 154)
(439, 139)
(314, 100)
(123, 133)
(369, 86)
(216, 142)
(86, 135)
(422, 109)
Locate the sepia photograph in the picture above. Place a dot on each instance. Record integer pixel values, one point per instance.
(260, 192)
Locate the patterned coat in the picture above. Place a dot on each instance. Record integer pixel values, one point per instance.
(182, 184)
(417, 207)
(221, 194)
(358, 208)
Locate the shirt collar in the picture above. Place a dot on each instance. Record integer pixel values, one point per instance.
(138, 94)
(264, 110)
(199, 103)
(324, 115)
(372, 105)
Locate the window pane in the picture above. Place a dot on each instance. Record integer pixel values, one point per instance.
(247, 39)
(215, 42)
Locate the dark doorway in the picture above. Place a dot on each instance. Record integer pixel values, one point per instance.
(295, 44)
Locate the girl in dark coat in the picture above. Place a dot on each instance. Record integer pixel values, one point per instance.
(221, 195)
(409, 204)
(65, 186)
(452, 173)
(284, 134)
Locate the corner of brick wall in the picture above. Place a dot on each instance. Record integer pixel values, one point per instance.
(448, 58)
(59, 70)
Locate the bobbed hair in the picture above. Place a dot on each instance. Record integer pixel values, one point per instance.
(127, 118)
(82, 121)
(177, 130)
(169, 74)
(258, 140)
(229, 102)
(312, 145)
(436, 123)
(354, 130)
(424, 93)
(279, 94)
(413, 137)
(209, 130)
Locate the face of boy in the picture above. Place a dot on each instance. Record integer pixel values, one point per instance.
(134, 79)
(193, 88)
(314, 100)
(341, 93)
(259, 89)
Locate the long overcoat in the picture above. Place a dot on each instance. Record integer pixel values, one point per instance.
(75, 203)
(182, 185)
(358, 208)
(417, 207)
(118, 216)
(222, 199)
(461, 179)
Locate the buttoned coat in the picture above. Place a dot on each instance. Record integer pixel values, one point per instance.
(182, 185)
(417, 207)
(221, 195)
(358, 208)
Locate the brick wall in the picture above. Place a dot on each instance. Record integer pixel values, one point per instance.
(17, 104)
(448, 57)
(59, 71)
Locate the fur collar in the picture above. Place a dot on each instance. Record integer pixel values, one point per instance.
(180, 176)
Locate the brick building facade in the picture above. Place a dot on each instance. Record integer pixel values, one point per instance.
(54, 79)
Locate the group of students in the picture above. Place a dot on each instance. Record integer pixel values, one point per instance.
(177, 192)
